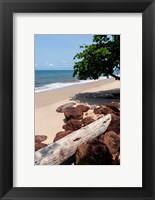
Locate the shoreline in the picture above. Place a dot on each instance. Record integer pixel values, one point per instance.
(64, 84)
(42, 98)
(48, 122)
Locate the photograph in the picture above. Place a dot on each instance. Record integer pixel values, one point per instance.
(77, 99)
(77, 81)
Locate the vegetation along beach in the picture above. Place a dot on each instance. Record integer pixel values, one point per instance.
(77, 100)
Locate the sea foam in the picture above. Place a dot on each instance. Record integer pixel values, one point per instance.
(54, 86)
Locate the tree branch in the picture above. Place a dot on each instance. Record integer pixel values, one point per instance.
(111, 74)
(116, 77)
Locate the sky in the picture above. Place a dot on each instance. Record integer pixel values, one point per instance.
(56, 52)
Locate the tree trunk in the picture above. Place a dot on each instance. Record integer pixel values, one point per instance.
(116, 77)
(59, 151)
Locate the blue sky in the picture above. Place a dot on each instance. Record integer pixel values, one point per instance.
(56, 52)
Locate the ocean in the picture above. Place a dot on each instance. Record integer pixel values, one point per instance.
(55, 79)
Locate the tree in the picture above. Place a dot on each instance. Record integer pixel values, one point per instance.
(102, 57)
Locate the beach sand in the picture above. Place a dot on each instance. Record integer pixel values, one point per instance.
(48, 122)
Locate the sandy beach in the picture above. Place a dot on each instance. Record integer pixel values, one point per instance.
(48, 122)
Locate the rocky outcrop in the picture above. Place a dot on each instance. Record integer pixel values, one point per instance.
(116, 159)
(87, 120)
(38, 141)
(39, 146)
(40, 138)
(102, 110)
(61, 134)
(112, 140)
(98, 110)
(73, 113)
(105, 149)
(115, 124)
(109, 109)
(72, 125)
(62, 108)
(83, 108)
(114, 108)
(114, 103)
(93, 153)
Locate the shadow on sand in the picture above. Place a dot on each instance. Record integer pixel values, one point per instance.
(98, 98)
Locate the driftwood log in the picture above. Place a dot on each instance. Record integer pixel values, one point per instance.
(59, 151)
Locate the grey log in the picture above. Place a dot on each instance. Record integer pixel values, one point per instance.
(59, 151)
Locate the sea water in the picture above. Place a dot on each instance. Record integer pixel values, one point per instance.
(55, 79)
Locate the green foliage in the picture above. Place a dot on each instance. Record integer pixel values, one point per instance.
(99, 58)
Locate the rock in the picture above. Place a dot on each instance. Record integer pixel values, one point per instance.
(103, 110)
(93, 153)
(40, 138)
(114, 103)
(81, 154)
(38, 141)
(114, 108)
(73, 113)
(62, 108)
(98, 110)
(114, 124)
(39, 145)
(61, 134)
(116, 159)
(101, 137)
(83, 108)
(112, 140)
(72, 125)
(87, 121)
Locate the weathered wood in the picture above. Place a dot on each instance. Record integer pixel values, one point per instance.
(59, 151)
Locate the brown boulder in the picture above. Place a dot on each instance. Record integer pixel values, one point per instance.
(114, 103)
(112, 140)
(103, 110)
(116, 159)
(98, 110)
(40, 138)
(114, 124)
(93, 153)
(38, 141)
(61, 134)
(87, 120)
(72, 125)
(101, 137)
(73, 113)
(114, 108)
(39, 145)
(62, 108)
(83, 108)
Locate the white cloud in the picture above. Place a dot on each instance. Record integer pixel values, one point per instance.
(51, 65)
(64, 61)
(46, 63)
